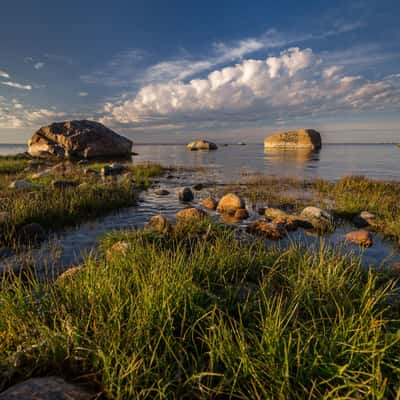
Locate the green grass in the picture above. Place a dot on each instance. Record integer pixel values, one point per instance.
(53, 208)
(12, 164)
(353, 194)
(181, 317)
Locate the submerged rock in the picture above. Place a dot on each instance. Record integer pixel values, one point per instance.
(189, 214)
(209, 203)
(289, 223)
(298, 139)
(80, 139)
(21, 184)
(160, 224)
(47, 388)
(267, 229)
(198, 186)
(202, 145)
(185, 195)
(230, 203)
(361, 237)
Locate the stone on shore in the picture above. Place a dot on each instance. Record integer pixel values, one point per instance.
(298, 139)
(185, 195)
(267, 229)
(58, 184)
(47, 388)
(317, 217)
(21, 184)
(202, 145)
(361, 237)
(159, 224)
(190, 214)
(78, 139)
(230, 203)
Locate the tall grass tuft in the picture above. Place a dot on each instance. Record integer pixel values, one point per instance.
(168, 318)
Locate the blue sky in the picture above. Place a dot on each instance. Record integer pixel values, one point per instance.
(170, 71)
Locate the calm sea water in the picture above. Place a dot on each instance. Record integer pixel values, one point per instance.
(380, 161)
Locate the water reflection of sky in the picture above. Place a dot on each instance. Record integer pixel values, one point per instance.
(229, 163)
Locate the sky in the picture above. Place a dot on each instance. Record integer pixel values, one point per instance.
(170, 71)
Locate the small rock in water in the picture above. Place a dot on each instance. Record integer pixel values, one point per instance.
(364, 219)
(361, 237)
(20, 185)
(267, 229)
(47, 388)
(189, 214)
(241, 213)
(185, 195)
(230, 203)
(162, 192)
(198, 186)
(160, 224)
(209, 203)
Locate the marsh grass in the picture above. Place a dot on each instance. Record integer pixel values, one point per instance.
(217, 318)
(12, 164)
(54, 208)
(353, 194)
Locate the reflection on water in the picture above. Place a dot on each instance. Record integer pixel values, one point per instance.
(227, 164)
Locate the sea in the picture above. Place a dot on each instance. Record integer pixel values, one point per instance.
(230, 162)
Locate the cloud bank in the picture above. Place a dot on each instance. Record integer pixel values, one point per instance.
(297, 82)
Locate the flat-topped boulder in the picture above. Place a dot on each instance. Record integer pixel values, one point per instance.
(202, 145)
(299, 139)
(78, 139)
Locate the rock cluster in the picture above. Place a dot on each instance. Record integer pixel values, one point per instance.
(202, 145)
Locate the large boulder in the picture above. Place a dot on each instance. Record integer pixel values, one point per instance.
(202, 145)
(79, 139)
(300, 139)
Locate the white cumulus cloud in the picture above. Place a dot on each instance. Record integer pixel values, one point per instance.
(297, 82)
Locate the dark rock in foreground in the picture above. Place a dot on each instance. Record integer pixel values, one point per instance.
(78, 139)
(48, 388)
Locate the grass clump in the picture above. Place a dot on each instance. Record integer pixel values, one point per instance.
(54, 208)
(13, 164)
(354, 194)
(165, 318)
